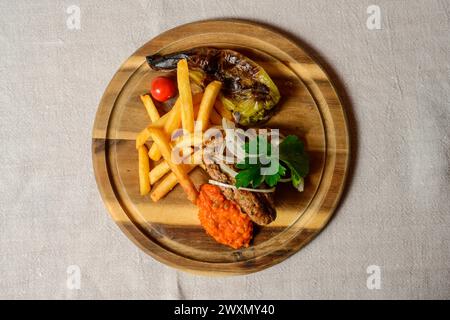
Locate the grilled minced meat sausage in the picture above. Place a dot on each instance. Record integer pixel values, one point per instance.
(258, 206)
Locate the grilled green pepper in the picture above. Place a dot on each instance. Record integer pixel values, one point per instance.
(247, 90)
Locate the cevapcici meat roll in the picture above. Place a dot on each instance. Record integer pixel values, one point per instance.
(258, 206)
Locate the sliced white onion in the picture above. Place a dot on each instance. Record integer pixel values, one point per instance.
(225, 185)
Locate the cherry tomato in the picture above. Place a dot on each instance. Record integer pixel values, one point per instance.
(163, 89)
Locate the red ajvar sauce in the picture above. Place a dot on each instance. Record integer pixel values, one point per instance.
(222, 219)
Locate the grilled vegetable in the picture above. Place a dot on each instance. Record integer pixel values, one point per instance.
(247, 89)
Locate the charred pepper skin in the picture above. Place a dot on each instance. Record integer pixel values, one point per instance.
(247, 89)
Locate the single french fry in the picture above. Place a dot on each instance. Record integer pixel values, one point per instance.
(184, 89)
(224, 112)
(166, 185)
(158, 172)
(215, 118)
(142, 137)
(154, 153)
(162, 140)
(207, 104)
(150, 107)
(144, 169)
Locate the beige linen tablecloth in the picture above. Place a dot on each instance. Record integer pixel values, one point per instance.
(393, 221)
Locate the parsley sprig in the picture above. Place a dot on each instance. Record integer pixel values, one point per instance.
(292, 157)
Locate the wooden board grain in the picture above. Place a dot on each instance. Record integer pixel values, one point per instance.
(169, 230)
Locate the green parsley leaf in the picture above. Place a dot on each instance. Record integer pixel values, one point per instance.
(272, 180)
(293, 154)
(257, 180)
(247, 176)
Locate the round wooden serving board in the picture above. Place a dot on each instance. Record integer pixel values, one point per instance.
(169, 230)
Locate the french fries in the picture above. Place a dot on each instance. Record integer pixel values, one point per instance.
(224, 112)
(205, 108)
(158, 172)
(170, 181)
(175, 120)
(173, 123)
(207, 104)
(150, 107)
(184, 89)
(144, 169)
(203, 116)
(162, 141)
(167, 184)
